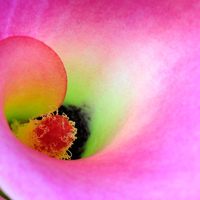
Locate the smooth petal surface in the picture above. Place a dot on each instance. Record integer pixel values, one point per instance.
(28, 67)
(138, 65)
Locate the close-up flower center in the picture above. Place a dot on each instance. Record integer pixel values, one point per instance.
(99, 100)
(52, 135)
(30, 92)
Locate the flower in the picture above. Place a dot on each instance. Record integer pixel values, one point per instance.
(135, 64)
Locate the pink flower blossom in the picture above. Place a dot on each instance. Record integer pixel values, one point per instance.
(135, 64)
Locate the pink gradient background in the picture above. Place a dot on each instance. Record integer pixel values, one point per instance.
(156, 153)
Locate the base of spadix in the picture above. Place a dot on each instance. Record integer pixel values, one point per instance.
(53, 135)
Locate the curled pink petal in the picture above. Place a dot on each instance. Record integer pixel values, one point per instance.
(149, 50)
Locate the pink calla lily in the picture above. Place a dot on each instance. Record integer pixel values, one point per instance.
(135, 65)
